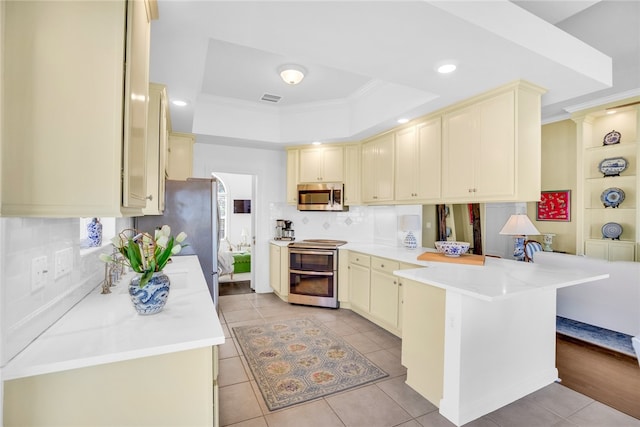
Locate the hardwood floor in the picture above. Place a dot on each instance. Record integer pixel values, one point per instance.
(604, 375)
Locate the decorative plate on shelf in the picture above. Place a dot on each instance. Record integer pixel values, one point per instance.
(613, 166)
(612, 197)
(611, 230)
(611, 138)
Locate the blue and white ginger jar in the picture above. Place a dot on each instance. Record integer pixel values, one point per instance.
(151, 298)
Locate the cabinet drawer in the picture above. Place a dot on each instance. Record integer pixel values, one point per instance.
(385, 265)
(360, 259)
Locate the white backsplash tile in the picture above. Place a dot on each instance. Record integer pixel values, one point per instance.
(24, 312)
(365, 224)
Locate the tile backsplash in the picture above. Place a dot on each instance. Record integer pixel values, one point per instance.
(363, 224)
(27, 310)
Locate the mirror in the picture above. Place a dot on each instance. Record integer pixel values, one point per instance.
(460, 222)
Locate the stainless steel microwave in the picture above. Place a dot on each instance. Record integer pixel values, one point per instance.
(326, 196)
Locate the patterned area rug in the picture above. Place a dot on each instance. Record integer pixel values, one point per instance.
(606, 338)
(296, 360)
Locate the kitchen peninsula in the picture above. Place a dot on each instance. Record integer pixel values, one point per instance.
(474, 337)
(103, 364)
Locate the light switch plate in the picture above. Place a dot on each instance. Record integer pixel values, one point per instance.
(38, 272)
(63, 262)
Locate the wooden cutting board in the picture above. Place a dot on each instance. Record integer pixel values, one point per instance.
(462, 259)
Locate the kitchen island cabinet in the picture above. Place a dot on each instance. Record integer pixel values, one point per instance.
(74, 139)
(102, 364)
(490, 333)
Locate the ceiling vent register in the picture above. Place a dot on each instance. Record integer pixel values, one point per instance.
(270, 98)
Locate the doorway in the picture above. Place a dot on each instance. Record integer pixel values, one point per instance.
(237, 224)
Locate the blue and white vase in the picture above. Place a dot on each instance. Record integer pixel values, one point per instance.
(151, 298)
(94, 232)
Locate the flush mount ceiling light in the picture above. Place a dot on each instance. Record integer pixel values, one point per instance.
(446, 68)
(403, 120)
(292, 74)
(179, 103)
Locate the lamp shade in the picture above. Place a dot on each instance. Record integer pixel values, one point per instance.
(519, 225)
(410, 222)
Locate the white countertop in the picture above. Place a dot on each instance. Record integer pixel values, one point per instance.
(497, 279)
(106, 328)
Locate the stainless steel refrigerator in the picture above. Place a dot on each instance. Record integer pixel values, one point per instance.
(192, 206)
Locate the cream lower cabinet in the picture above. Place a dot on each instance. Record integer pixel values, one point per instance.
(374, 292)
(178, 388)
(611, 250)
(423, 327)
(359, 281)
(491, 147)
(76, 80)
(279, 270)
(180, 165)
(378, 169)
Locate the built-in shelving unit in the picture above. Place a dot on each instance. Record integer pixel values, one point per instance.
(592, 127)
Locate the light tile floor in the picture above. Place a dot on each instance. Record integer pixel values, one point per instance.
(387, 402)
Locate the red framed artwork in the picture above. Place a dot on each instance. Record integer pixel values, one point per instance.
(554, 206)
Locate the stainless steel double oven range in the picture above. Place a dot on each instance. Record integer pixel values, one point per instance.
(313, 272)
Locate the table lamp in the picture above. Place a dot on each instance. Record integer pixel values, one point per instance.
(519, 226)
(408, 223)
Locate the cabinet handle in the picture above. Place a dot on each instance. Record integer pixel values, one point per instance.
(149, 197)
(381, 265)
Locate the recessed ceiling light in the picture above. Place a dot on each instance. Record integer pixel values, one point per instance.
(611, 112)
(403, 120)
(316, 143)
(179, 102)
(446, 68)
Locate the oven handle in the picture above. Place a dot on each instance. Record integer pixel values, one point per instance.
(312, 252)
(312, 273)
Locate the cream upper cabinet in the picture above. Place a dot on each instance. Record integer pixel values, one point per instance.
(352, 171)
(181, 155)
(378, 169)
(74, 139)
(321, 164)
(491, 147)
(417, 162)
(293, 155)
(157, 140)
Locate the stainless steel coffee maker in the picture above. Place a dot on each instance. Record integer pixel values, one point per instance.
(284, 230)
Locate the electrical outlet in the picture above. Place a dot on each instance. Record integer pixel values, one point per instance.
(63, 262)
(38, 272)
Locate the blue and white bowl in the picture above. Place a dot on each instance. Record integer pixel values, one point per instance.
(452, 248)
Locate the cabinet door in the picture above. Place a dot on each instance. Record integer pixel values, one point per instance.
(135, 105)
(495, 155)
(407, 164)
(359, 287)
(423, 338)
(156, 149)
(181, 156)
(378, 169)
(274, 267)
(459, 139)
(333, 164)
(292, 176)
(324, 164)
(352, 170)
(384, 297)
(310, 169)
(429, 140)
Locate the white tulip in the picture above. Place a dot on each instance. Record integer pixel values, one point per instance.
(180, 237)
(162, 241)
(176, 249)
(106, 258)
